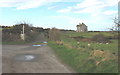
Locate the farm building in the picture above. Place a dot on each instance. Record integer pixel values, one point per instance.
(82, 28)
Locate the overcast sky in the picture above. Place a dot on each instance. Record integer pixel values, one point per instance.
(62, 14)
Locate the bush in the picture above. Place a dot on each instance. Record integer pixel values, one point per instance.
(54, 34)
(10, 37)
(100, 38)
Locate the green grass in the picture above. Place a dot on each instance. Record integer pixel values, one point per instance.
(79, 60)
(113, 47)
(86, 34)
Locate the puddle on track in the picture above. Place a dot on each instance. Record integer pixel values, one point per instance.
(30, 48)
(38, 45)
(26, 57)
(33, 47)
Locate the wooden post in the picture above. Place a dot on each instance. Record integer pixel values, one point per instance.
(23, 33)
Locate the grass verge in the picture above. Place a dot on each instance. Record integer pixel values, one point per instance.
(79, 59)
(80, 62)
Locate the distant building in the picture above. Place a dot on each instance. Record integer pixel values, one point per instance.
(82, 28)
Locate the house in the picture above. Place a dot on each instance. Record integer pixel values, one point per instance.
(82, 28)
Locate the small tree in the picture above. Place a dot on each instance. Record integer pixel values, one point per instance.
(54, 34)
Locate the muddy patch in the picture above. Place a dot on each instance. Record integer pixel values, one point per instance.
(26, 57)
(30, 48)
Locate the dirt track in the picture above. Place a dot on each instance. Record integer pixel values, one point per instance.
(45, 60)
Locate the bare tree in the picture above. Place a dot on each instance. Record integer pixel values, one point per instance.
(116, 25)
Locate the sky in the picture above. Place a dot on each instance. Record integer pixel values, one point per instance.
(62, 14)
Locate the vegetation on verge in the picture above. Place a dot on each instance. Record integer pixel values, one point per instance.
(12, 34)
(87, 57)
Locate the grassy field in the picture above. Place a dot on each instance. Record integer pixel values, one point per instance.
(80, 56)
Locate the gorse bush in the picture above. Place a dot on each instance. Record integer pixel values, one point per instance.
(13, 33)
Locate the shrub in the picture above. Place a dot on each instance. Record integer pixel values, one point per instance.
(54, 34)
(100, 38)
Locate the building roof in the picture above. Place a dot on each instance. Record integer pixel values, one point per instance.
(81, 24)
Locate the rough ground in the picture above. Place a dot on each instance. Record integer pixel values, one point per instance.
(45, 61)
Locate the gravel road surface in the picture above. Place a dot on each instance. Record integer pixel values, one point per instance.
(30, 59)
